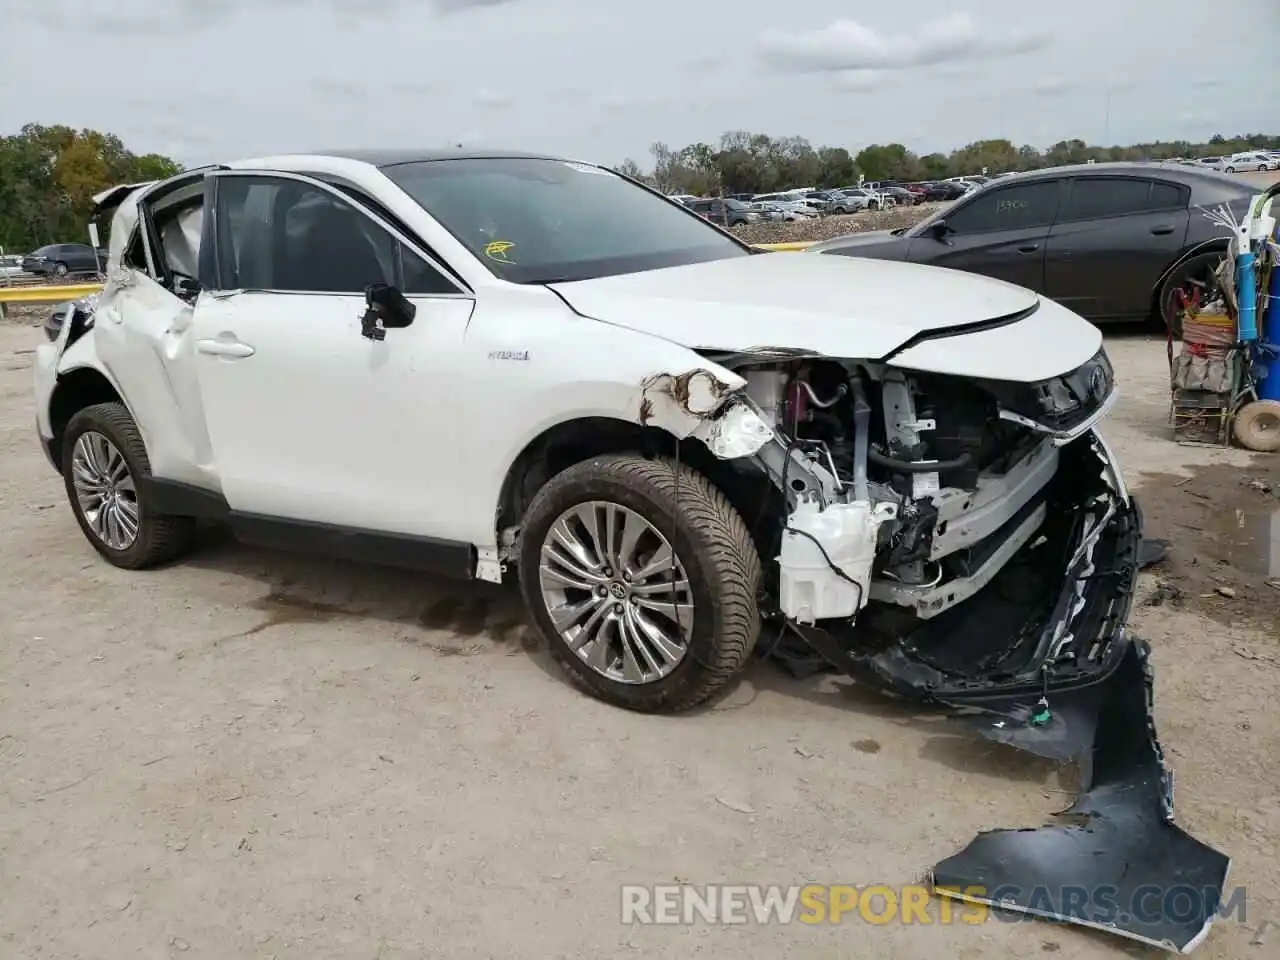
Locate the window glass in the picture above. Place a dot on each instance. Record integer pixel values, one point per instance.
(281, 234)
(135, 255)
(1167, 196)
(1095, 197)
(1014, 207)
(540, 221)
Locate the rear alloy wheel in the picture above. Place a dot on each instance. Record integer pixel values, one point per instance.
(1196, 280)
(104, 466)
(643, 579)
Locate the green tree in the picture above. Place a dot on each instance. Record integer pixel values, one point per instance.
(49, 176)
(890, 161)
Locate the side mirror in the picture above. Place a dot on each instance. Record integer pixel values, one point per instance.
(939, 230)
(386, 308)
(186, 288)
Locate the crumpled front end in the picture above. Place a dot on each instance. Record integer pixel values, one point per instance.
(972, 545)
(943, 535)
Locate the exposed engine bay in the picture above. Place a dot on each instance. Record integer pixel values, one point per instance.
(931, 484)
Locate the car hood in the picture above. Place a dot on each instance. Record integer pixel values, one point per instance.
(855, 240)
(844, 307)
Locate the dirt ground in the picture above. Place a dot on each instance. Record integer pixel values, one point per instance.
(255, 755)
(825, 228)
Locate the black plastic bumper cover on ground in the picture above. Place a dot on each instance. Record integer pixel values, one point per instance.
(1117, 861)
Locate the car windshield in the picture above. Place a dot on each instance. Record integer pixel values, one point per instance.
(548, 221)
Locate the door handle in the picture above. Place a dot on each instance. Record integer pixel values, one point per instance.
(1029, 248)
(1162, 230)
(232, 349)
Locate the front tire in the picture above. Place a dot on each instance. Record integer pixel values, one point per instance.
(59, 269)
(643, 579)
(104, 469)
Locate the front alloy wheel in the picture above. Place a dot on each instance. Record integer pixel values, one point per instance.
(616, 592)
(643, 579)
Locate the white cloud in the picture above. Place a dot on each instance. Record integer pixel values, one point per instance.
(492, 99)
(457, 6)
(1054, 86)
(847, 45)
(614, 103)
(857, 81)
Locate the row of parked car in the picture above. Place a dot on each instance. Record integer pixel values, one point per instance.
(1252, 161)
(54, 260)
(802, 203)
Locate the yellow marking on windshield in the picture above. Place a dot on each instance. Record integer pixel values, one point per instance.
(498, 250)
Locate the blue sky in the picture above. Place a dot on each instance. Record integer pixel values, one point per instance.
(205, 80)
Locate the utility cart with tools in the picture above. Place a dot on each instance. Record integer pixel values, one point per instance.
(1226, 378)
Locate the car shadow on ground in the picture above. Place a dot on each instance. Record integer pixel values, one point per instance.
(468, 618)
(447, 616)
(945, 742)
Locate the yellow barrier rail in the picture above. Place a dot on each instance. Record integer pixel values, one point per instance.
(795, 246)
(49, 294)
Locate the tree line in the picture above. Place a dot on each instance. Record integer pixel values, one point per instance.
(745, 162)
(49, 175)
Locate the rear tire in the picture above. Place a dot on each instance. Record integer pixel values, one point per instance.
(1196, 272)
(606, 640)
(105, 468)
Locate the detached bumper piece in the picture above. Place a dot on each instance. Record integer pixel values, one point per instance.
(1117, 862)
(1040, 661)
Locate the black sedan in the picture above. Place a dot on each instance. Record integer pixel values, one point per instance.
(942, 190)
(64, 259)
(1111, 241)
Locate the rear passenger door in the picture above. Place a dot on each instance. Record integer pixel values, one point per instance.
(1112, 240)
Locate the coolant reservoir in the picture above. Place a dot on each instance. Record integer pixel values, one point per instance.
(809, 589)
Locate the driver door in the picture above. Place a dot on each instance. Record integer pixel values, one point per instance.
(1001, 233)
(310, 421)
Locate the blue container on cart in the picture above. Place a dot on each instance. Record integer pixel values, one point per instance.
(1269, 335)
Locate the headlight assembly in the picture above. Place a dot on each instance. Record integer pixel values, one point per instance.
(1062, 402)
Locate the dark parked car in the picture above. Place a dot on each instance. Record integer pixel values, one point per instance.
(728, 212)
(1111, 241)
(942, 190)
(900, 194)
(911, 192)
(62, 259)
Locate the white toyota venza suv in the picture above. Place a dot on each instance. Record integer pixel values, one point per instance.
(481, 363)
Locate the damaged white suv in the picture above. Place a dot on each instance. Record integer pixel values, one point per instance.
(472, 363)
(469, 363)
